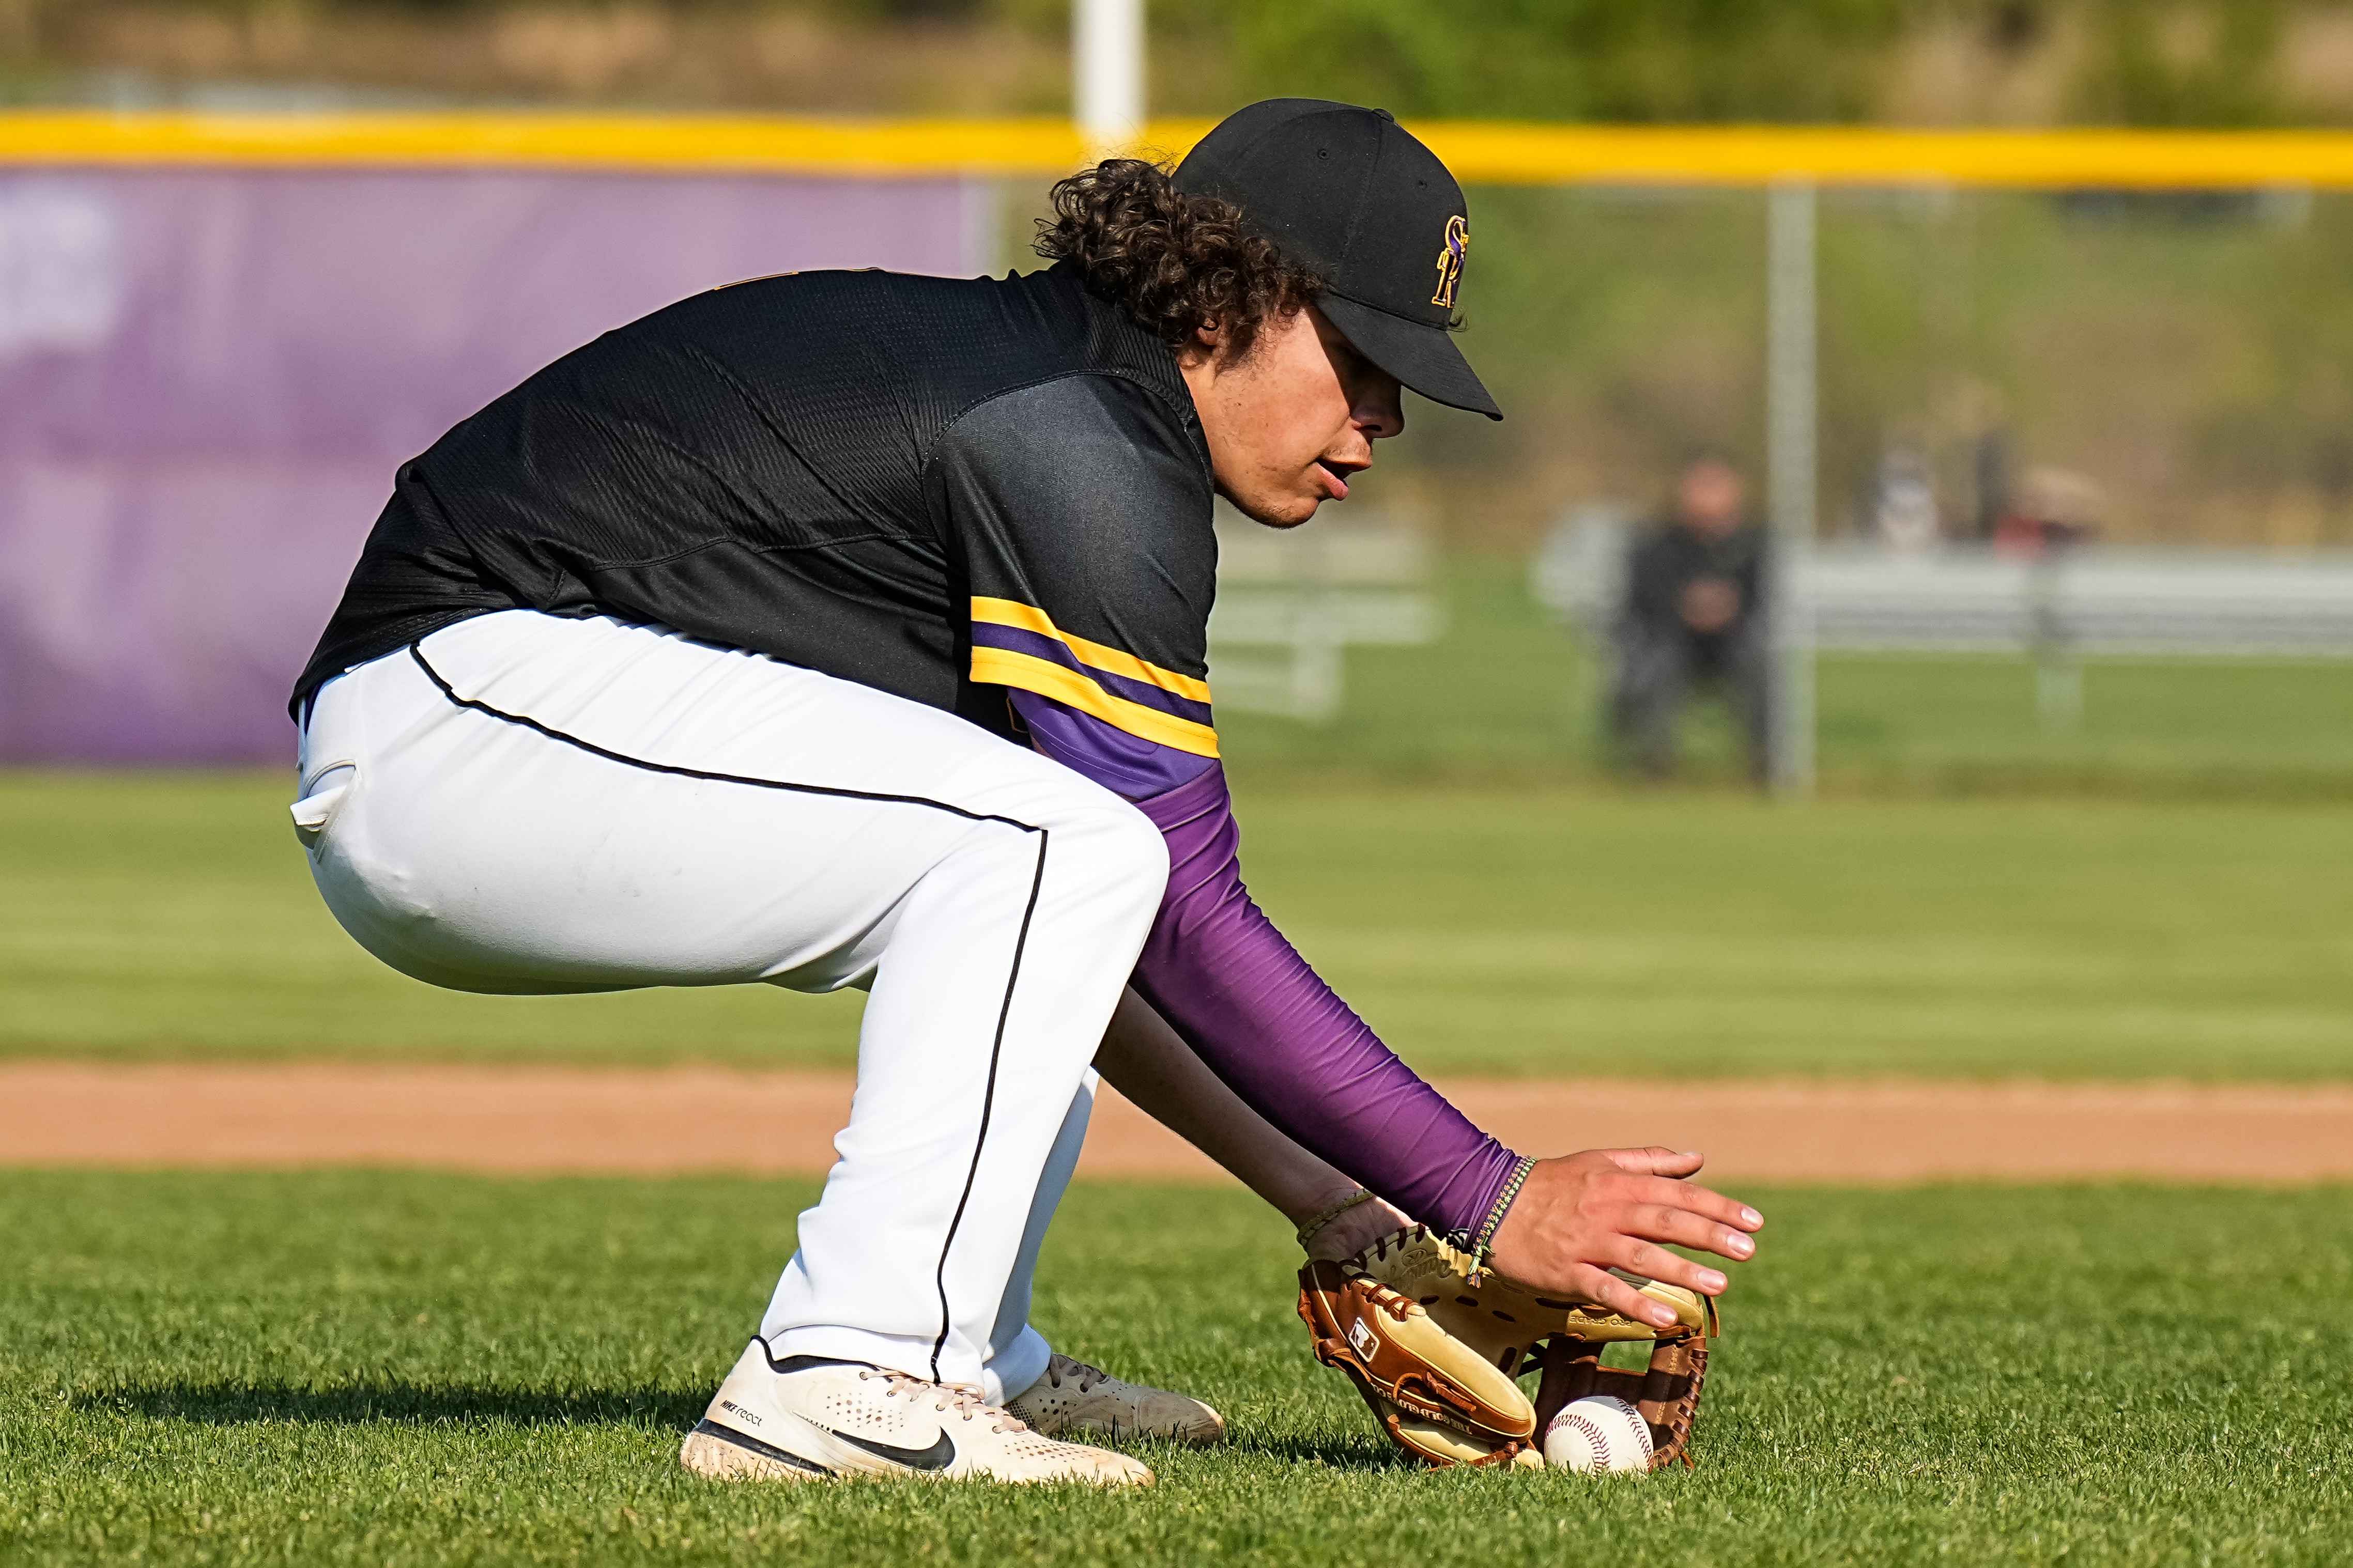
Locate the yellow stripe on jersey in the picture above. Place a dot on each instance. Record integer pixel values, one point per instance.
(1028, 618)
(1003, 667)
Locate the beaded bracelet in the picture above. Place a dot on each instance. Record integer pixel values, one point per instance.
(1322, 1217)
(1483, 1241)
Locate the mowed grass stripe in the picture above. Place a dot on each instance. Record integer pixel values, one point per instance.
(1482, 929)
(395, 1368)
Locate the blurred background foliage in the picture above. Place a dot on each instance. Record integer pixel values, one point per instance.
(2144, 62)
(2185, 357)
(2187, 360)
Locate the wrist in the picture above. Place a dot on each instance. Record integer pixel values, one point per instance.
(1311, 1224)
(1302, 1202)
(1358, 1227)
(1480, 1241)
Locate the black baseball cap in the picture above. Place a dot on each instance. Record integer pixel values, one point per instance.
(1348, 192)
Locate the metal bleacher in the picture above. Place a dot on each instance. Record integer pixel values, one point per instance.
(1290, 603)
(1966, 598)
(2095, 599)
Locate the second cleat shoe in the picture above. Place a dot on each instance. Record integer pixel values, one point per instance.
(806, 1419)
(1075, 1397)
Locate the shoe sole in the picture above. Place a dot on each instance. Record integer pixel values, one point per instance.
(722, 1454)
(1201, 1433)
(1193, 1437)
(1198, 1433)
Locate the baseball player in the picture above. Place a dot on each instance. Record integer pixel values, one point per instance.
(848, 630)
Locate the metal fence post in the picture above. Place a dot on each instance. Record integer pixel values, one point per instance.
(1107, 73)
(1790, 454)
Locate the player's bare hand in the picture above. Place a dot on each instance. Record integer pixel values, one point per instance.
(1581, 1216)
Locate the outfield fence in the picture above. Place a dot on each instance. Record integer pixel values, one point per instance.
(219, 335)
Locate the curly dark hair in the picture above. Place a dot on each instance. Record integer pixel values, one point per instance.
(1174, 262)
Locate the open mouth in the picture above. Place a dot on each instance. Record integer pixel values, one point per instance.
(1336, 476)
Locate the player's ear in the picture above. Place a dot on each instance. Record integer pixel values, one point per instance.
(1206, 343)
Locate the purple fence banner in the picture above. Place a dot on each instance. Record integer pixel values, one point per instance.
(207, 377)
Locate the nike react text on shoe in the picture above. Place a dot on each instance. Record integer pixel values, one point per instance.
(1075, 1397)
(806, 1419)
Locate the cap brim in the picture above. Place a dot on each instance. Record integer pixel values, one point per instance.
(1422, 356)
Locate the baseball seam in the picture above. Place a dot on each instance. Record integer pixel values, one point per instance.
(1598, 1439)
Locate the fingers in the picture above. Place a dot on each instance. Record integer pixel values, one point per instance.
(1672, 1165)
(1657, 1263)
(1666, 1222)
(1600, 1284)
(1703, 1201)
(1654, 1160)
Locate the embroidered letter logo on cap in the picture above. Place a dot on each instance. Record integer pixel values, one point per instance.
(1449, 261)
(1349, 194)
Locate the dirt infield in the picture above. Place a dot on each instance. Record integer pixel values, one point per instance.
(522, 1120)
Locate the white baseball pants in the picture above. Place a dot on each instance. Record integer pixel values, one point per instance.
(529, 804)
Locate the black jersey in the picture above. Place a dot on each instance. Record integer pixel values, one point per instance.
(1669, 558)
(938, 488)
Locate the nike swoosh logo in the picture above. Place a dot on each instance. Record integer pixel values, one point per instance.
(938, 1456)
(766, 1450)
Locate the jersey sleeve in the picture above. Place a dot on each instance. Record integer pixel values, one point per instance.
(1079, 509)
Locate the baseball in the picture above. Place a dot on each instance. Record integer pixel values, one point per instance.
(1600, 1436)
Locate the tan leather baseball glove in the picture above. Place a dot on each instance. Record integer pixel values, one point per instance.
(1439, 1358)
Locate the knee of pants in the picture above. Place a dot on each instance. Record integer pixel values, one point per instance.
(1110, 847)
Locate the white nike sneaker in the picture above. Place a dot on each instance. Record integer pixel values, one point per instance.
(1075, 1397)
(806, 1419)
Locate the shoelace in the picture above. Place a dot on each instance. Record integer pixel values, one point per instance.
(1058, 1365)
(964, 1399)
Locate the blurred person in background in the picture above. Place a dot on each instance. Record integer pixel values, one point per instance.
(1903, 515)
(1693, 614)
(2054, 510)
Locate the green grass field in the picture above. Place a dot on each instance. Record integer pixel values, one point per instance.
(364, 1367)
(1495, 929)
(395, 1368)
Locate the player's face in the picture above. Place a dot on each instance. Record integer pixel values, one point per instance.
(1292, 421)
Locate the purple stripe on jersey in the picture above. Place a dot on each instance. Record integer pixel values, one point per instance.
(1128, 764)
(1231, 984)
(1013, 639)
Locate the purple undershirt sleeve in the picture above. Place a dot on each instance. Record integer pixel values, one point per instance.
(1241, 996)
(1126, 764)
